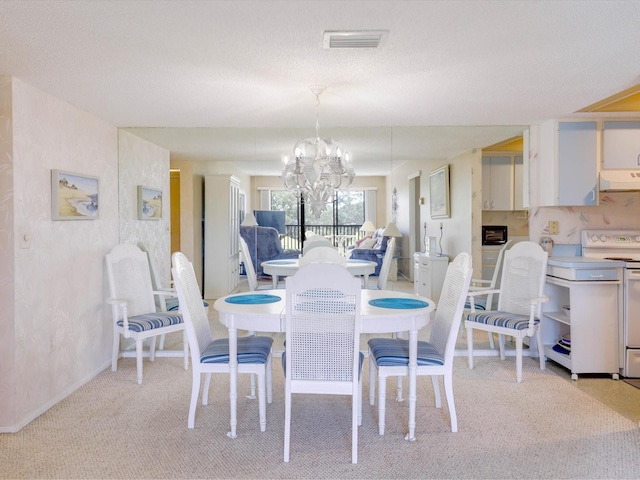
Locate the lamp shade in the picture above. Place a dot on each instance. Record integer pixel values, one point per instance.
(391, 230)
(368, 227)
(249, 220)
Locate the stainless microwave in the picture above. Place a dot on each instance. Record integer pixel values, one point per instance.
(494, 234)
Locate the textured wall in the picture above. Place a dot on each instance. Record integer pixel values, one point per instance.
(62, 330)
(7, 324)
(146, 164)
(55, 330)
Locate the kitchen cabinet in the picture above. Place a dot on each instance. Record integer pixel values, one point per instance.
(428, 273)
(591, 322)
(489, 259)
(518, 183)
(621, 145)
(497, 182)
(568, 163)
(221, 235)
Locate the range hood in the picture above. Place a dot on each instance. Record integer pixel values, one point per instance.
(619, 180)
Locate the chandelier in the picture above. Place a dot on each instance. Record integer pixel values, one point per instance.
(318, 167)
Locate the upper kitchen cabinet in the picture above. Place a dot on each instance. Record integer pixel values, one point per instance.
(502, 181)
(568, 163)
(621, 145)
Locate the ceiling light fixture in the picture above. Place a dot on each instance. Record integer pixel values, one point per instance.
(318, 167)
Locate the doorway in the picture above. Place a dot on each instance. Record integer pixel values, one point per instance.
(174, 201)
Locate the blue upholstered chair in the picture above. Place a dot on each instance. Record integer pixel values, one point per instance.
(264, 244)
(389, 357)
(209, 355)
(133, 306)
(375, 253)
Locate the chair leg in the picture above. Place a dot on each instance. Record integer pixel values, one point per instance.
(161, 344)
(519, 359)
(115, 351)
(382, 393)
(195, 390)
(372, 380)
(355, 402)
(360, 401)
(139, 360)
(470, 346)
(501, 340)
(287, 423)
(448, 390)
(185, 345)
(269, 374)
(205, 392)
(492, 343)
(540, 346)
(152, 348)
(262, 406)
(436, 391)
(399, 389)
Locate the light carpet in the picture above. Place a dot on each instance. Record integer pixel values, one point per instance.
(114, 428)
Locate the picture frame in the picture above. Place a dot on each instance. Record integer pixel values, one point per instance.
(439, 193)
(149, 203)
(74, 196)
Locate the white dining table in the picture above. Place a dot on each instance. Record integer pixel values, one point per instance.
(270, 317)
(287, 267)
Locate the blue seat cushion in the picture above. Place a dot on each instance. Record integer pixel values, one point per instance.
(150, 321)
(284, 362)
(250, 350)
(394, 352)
(172, 304)
(467, 305)
(501, 319)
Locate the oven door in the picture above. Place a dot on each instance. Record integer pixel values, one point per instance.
(632, 307)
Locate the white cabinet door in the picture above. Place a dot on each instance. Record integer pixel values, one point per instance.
(621, 145)
(497, 183)
(568, 163)
(518, 187)
(577, 163)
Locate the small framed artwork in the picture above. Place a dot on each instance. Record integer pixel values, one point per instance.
(149, 203)
(439, 193)
(74, 196)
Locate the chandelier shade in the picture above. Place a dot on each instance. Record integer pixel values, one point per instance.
(318, 168)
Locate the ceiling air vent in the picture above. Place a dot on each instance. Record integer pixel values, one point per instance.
(354, 38)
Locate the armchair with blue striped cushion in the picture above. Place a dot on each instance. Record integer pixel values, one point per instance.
(519, 303)
(133, 307)
(209, 355)
(389, 357)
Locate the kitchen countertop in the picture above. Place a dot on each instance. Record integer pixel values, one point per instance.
(584, 262)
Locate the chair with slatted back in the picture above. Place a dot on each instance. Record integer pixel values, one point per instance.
(209, 355)
(389, 357)
(322, 340)
(133, 306)
(520, 301)
(249, 268)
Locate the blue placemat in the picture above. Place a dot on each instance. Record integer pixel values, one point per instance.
(281, 262)
(398, 303)
(253, 299)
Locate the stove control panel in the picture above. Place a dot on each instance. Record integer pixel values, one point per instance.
(611, 239)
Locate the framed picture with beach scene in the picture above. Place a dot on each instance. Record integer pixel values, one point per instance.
(149, 203)
(74, 196)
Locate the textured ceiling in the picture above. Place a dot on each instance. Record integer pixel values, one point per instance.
(240, 71)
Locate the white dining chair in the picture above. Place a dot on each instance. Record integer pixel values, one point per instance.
(322, 255)
(389, 357)
(209, 355)
(133, 307)
(322, 340)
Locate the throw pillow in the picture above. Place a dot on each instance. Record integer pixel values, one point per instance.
(367, 243)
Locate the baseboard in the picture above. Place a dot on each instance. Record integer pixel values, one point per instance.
(35, 414)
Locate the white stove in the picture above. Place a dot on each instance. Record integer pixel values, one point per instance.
(623, 246)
